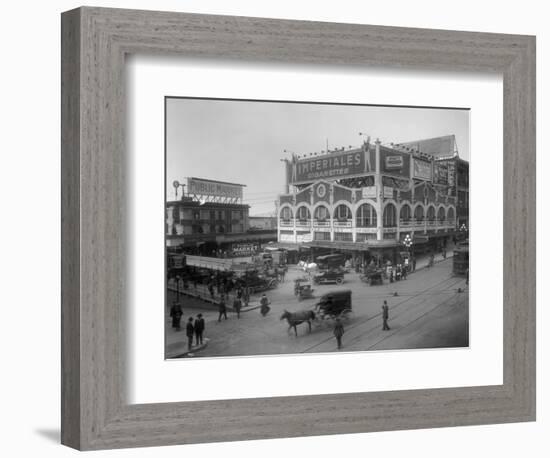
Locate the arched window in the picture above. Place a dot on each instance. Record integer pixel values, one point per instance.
(441, 214)
(366, 216)
(303, 214)
(321, 213)
(286, 213)
(431, 214)
(405, 213)
(390, 219)
(419, 213)
(342, 213)
(451, 214)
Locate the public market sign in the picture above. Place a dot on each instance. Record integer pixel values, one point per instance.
(214, 188)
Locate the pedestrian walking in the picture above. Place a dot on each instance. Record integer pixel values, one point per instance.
(176, 313)
(211, 290)
(385, 316)
(264, 302)
(339, 332)
(237, 307)
(444, 253)
(404, 272)
(246, 296)
(222, 309)
(190, 332)
(414, 263)
(199, 329)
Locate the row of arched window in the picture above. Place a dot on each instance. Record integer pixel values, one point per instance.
(366, 215)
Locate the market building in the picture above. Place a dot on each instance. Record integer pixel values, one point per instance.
(210, 219)
(364, 202)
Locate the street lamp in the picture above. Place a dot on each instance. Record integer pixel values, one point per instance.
(407, 241)
(462, 230)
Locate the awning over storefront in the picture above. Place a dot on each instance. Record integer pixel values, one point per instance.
(287, 246)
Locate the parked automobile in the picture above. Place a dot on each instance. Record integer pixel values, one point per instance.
(329, 276)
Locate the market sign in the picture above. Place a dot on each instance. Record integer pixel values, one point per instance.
(422, 169)
(332, 165)
(214, 188)
(244, 249)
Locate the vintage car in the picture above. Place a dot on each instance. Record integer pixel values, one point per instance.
(329, 276)
(305, 291)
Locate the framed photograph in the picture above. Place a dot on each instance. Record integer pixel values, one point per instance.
(286, 210)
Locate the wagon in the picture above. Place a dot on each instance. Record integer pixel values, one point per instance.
(335, 304)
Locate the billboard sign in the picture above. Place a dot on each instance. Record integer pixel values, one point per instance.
(214, 188)
(388, 192)
(368, 192)
(451, 173)
(441, 173)
(333, 165)
(304, 238)
(394, 162)
(422, 170)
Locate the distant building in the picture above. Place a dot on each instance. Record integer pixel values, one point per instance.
(364, 201)
(262, 223)
(210, 219)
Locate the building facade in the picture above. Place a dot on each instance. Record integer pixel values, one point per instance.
(211, 220)
(365, 201)
(449, 170)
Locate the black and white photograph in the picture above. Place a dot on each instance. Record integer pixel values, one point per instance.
(297, 227)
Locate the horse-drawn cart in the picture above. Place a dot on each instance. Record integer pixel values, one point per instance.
(335, 304)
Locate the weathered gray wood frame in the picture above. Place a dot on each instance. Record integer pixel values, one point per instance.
(95, 41)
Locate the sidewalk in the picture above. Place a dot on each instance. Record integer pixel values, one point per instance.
(202, 293)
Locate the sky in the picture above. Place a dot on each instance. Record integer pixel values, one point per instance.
(244, 141)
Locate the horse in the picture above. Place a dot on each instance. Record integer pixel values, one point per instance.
(296, 318)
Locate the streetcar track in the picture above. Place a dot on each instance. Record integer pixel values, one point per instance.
(391, 334)
(393, 307)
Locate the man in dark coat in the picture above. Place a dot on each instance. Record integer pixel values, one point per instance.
(222, 309)
(199, 329)
(190, 331)
(176, 314)
(237, 307)
(385, 316)
(339, 332)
